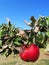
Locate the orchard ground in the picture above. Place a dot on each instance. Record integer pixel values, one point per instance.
(10, 60)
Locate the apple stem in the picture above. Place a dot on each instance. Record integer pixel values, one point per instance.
(34, 40)
(31, 37)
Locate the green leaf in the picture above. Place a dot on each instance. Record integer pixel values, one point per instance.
(18, 39)
(11, 33)
(47, 33)
(42, 21)
(0, 43)
(33, 20)
(40, 37)
(0, 33)
(17, 43)
(12, 27)
(47, 21)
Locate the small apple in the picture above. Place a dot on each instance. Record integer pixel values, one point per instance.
(29, 52)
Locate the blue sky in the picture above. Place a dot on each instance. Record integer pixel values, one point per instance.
(20, 10)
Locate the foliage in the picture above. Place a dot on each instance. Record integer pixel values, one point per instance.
(39, 32)
(9, 39)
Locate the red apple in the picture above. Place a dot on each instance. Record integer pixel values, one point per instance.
(29, 52)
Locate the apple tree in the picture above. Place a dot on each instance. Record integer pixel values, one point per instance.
(39, 32)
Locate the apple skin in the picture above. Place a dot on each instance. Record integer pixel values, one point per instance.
(29, 52)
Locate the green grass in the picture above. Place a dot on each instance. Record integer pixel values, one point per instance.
(11, 63)
(43, 60)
